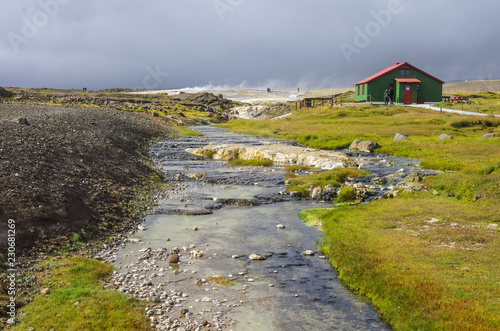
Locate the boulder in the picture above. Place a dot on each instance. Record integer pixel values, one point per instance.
(445, 136)
(399, 137)
(5, 94)
(413, 177)
(489, 135)
(354, 145)
(367, 146)
(363, 146)
(316, 192)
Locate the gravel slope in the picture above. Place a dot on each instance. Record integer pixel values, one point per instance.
(61, 166)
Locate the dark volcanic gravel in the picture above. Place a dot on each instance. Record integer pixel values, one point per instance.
(61, 166)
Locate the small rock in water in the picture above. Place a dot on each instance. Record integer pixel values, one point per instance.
(196, 253)
(173, 258)
(309, 252)
(280, 226)
(257, 257)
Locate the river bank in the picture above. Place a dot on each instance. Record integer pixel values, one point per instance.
(70, 176)
(246, 260)
(426, 259)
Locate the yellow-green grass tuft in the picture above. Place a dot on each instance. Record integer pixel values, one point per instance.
(76, 301)
(249, 163)
(424, 261)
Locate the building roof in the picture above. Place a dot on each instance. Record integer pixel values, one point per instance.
(407, 80)
(392, 68)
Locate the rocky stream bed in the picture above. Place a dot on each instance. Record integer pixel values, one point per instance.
(226, 250)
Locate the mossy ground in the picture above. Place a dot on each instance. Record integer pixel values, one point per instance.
(426, 261)
(76, 300)
(249, 163)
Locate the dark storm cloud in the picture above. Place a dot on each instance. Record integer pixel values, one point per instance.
(169, 44)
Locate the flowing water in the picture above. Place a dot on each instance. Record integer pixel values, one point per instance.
(230, 214)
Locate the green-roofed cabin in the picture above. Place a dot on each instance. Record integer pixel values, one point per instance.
(410, 85)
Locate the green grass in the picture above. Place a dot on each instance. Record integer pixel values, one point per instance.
(419, 275)
(335, 178)
(335, 128)
(97, 309)
(184, 131)
(484, 102)
(249, 163)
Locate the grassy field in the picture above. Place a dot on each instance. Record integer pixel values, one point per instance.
(76, 300)
(482, 102)
(426, 260)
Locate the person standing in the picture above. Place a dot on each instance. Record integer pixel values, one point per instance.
(391, 95)
(386, 97)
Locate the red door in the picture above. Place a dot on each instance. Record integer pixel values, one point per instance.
(408, 94)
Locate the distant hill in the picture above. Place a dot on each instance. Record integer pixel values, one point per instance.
(473, 86)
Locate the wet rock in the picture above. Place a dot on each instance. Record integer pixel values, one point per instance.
(280, 226)
(279, 153)
(354, 145)
(413, 177)
(197, 176)
(239, 202)
(363, 146)
(134, 239)
(146, 255)
(367, 146)
(399, 137)
(445, 136)
(308, 253)
(316, 192)
(173, 258)
(257, 257)
(196, 253)
(489, 135)
(379, 180)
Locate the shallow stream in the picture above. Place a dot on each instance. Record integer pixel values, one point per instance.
(229, 214)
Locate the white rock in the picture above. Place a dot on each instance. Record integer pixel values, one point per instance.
(257, 257)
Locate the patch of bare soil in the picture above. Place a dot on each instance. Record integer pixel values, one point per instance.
(61, 168)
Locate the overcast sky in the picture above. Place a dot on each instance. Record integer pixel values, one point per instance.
(161, 44)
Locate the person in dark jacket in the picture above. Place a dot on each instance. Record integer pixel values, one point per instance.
(386, 97)
(391, 95)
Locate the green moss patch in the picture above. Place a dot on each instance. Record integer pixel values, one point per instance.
(76, 301)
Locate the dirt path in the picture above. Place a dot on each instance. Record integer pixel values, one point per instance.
(462, 112)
